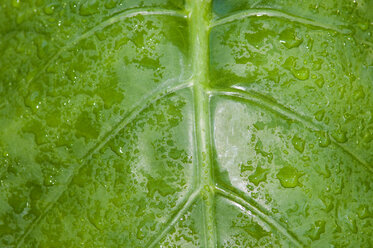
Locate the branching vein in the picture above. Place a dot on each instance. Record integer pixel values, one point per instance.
(185, 206)
(280, 14)
(136, 110)
(259, 212)
(261, 101)
(116, 18)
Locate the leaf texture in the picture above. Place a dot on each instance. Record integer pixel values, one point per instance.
(204, 123)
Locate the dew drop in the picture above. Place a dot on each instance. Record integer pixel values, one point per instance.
(289, 38)
(363, 212)
(328, 203)
(260, 175)
(340, 136)
(320, 82)
(49, 180)
(298, 143)
(318, 228)
(89, 8)
(49, 9)
(288, 177)
(302, 74)
(323, 139)
(319, 115)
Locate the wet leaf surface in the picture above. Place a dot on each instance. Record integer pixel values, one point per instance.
(166, 123)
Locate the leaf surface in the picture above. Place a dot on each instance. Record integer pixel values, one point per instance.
(186, 124)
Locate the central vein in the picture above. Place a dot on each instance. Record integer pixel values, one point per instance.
(199, 21)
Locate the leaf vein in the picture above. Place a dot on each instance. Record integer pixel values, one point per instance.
(262, 101)
(280, 14)
(187, 203)
(259, 212)
(136, 110)
(114, 19)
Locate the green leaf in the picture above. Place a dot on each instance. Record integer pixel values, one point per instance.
(197, 123)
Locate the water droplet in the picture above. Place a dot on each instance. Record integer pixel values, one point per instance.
(288, 177)
(363, 212)
(254, 195)
(259, 150)
(328, 203)
(316, 230)
(323, 139)
(260, 175)
(289, 63)
(317, 64)
(319, 115)
(49, 9)
(244, 168)
(298, 143)
(289, 38)
(71, 74)
(89, 8)
(302, 74)
(49, 180)
(340, 136)
(320, 82)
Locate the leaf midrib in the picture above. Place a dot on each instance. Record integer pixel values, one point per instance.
(199, 19)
